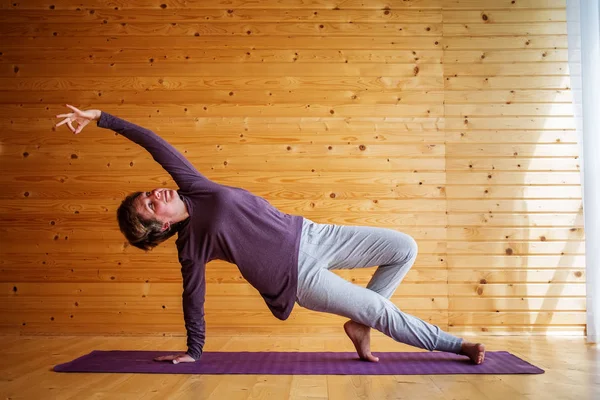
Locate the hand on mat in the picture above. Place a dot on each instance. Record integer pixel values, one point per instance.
(176, 358)
(81, 117)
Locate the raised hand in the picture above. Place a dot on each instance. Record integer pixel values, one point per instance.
(81, 117)
(176, 358)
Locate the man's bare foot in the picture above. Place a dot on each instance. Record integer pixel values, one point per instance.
(475, 351)
(360, 336)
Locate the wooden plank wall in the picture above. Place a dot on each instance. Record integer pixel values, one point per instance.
(449, 120)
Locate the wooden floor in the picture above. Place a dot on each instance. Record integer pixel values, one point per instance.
(25, 372)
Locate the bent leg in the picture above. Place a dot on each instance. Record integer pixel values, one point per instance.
(349, 247)
(322, 290)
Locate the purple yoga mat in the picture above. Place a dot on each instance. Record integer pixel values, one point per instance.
(295, 363)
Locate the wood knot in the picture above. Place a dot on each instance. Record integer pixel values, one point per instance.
(483, 281)
(484, 17)
(509, 251)
(543, 238)
(416, 71)
(479, 291)
(362, 147)
(578, 274)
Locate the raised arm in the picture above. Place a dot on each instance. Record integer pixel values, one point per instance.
(182, 171)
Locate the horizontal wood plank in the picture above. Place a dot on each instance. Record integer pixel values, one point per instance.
(175, 56)
(231, 28)
(241, 4)
(504, 16)
(224, 83)
(485, 56)
(477, 29)
(502, 4)
(223, 14)
(572, 220)
(549, 304)
(212, 70)
(552, 262)
(106, 99)
(249, 42)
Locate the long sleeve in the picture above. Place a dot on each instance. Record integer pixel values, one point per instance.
(180, 169)
(194, 292)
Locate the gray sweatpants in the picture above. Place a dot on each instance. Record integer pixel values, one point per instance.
(324, 247)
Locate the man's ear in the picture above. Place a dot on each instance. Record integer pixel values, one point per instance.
(166, 225)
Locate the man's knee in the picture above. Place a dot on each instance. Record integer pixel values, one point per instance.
(413, 247)
(408, 248)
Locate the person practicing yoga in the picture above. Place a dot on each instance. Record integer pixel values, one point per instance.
(287, 258)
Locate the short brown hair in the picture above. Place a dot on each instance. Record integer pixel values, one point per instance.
(142, 233)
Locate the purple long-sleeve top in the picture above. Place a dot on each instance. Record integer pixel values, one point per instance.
(225, 223)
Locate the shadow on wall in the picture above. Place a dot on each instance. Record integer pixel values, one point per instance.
(521, 245)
